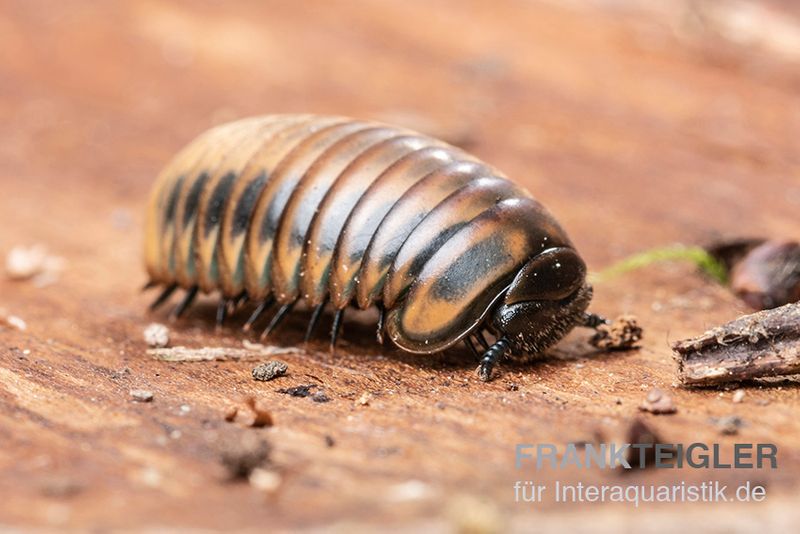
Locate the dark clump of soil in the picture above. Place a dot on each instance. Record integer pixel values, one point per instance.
(622, 334)
(298, 391)
(769, 275)
(640, 433)
(269, 370)
(320, 396)
(242, 452)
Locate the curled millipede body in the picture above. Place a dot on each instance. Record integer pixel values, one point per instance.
(340, 212)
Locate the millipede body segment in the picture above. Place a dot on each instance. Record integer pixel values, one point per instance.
(340, 212)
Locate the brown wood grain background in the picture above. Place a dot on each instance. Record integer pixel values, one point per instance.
(637, 124)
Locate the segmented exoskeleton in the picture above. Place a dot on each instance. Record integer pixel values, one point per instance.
(340, 212)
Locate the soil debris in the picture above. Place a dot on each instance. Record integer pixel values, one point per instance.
(320, 396)
(141, 395)
(303, 390)
(207, 354)
(329, 441)
(658, 402)
(269, 370)
(156, 335)
(242, 453)
(762, 344)
(364, 399)
(738, 396)
(622, 334)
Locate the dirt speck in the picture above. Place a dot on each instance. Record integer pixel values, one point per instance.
(250, 412)
(269, 370)
(364, 399)
(243, 452)
(738, 396)
(141, 395)
(303, 390)
(60, 486)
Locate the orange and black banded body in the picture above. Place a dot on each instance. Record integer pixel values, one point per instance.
(342, 212)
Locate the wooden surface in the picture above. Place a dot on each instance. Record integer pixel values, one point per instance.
(637, 126)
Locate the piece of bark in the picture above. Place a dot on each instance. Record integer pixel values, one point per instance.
(762, 344)
(207, 354)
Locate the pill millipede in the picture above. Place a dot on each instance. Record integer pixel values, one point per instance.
(339, 213)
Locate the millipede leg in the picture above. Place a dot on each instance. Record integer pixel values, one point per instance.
(282, 312)
(184, 304)
(162, 298)
(592, 320)
(149, 285)
(491, 357)
(233, 303)
(262, 306)
(337, 327)
(468, 342)
(381, 319)
(222, 312)
(482, 340)
(315, 315)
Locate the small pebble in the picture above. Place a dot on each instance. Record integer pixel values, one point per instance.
(265, 480)
(26, 262)
(141, 395)
(730, 424)
(658, 402)
(269, 370)
(14, 322)
(738, 396)
(156, 335)
(364, 399)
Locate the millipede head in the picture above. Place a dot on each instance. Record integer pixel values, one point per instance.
(547, 298)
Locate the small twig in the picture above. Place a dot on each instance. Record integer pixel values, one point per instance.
(762, 344)
(252, 351)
